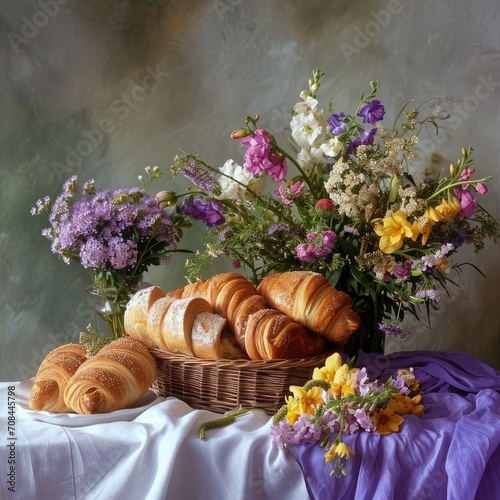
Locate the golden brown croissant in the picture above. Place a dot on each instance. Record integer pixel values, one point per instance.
(309, 299)
(115, 378)
(235, 298)
(273, 335)
(52, 378)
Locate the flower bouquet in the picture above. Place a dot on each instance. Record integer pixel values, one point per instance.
(344, 203)
(118, 234)
(340, 401)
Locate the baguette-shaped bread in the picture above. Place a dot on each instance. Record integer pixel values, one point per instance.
(114, 379)
(136, 314)
(53, 376)
(309, 299)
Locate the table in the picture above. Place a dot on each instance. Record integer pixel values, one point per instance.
(452, 452)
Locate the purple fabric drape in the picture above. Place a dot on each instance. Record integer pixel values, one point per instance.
(452, 452)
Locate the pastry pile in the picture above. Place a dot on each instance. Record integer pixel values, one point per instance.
(115, 378)
(289, 315)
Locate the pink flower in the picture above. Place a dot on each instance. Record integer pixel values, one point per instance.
(467, 202)
(325, 205)
(481, 188)
(260, 156)
(290, 191)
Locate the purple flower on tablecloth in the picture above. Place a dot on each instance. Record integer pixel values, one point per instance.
(260, 156)
(399, 384)
(372, 112)
(209, 212)
(364, 420)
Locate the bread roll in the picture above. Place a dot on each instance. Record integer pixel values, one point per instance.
(177, 325)
(53, 376)
(114, 379)
(136, 314)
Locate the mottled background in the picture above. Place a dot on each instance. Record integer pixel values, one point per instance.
(183, 74)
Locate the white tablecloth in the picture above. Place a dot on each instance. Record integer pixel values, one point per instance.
(157, 455)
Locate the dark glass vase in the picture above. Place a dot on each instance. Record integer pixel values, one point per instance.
(369, 338)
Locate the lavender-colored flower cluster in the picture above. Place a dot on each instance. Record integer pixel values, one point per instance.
(111, 230)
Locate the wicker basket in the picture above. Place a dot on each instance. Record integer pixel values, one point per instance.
(223, 385)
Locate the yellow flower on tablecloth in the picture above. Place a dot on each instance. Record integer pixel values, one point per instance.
(293, 412)
(338, 449)
(307, 400)
(386, 421)
(332, 364)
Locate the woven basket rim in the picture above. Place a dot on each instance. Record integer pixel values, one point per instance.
(243, 363)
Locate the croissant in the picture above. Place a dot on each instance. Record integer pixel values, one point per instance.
(115, 378)
(53, 376)
(235, 298)
(309, 299)
(273, 335)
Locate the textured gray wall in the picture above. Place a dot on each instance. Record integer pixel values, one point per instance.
(67, 65)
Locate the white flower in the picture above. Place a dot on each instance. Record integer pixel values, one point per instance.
(310, 105)
(307, 130)
(308, 157)
(332, 147)
(234, 188)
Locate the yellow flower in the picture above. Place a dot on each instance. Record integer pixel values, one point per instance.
(293, 412)
(338, 450)
(339, 381)
(307, 401)
(448, 209)
(386, 421)
(431, 216)
(404, 405)
(332, 364)
(393, 230)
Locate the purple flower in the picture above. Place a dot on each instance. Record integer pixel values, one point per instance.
(321, 246)
(399, 384)
(279, 228)
(260, 156)
(197, 175)
(401, 272)
(372, 112)
(364, 420)
(366, 138)
(394, 330)
(210, 212)
(337, 126)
